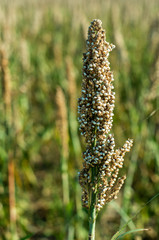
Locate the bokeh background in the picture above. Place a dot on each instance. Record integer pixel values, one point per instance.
(41, 47)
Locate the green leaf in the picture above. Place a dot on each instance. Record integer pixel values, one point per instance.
(27, 237)
(117, 234)
(132, 231)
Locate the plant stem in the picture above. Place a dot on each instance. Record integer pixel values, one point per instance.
(93, 213)
(65, 180)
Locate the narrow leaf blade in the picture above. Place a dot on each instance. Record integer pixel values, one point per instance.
(131, 231)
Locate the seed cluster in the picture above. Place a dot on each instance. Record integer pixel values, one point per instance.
(95, 109)
(97, 102)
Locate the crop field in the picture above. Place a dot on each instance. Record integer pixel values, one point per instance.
(41, 50)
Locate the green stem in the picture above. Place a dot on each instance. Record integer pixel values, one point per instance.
(93, 213)
(65, 180)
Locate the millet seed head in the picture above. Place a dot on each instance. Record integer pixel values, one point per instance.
(95, 109)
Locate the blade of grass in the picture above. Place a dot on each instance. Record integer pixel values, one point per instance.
(26, 237)
(117, 234)
(131, 231)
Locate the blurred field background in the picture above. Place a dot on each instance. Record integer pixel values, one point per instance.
(41, 46)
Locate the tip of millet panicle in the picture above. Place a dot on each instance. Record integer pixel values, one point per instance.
(97, 22)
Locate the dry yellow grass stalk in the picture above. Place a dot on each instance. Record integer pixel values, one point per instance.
(6, 82)
(119, 39)
(62, 125)
(62, 120)
(70, 74)
(8, 120)
(11, 184)
(58, 54)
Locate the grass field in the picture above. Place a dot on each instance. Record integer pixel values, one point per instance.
(41, 50)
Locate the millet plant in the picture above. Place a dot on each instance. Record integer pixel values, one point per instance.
(99, 177)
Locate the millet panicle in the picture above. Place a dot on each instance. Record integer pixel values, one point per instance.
(95, 110)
